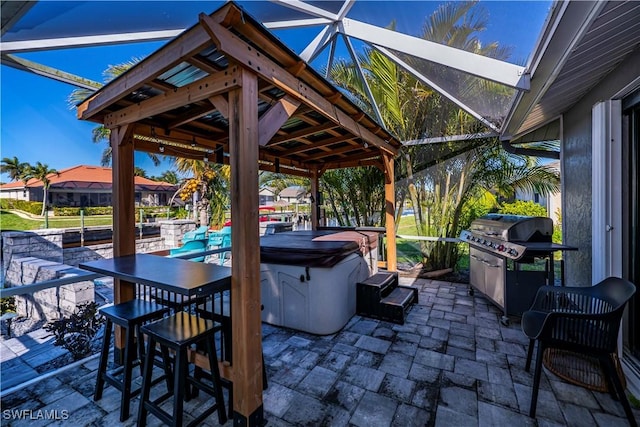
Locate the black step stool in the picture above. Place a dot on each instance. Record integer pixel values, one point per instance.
(178, 333)
(380, 297)
(130, 315)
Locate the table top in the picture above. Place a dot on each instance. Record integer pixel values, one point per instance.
(170, 274)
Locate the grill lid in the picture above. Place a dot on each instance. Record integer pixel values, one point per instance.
(514, 228)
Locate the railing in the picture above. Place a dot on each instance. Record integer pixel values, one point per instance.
(81, 276)
(77, 275)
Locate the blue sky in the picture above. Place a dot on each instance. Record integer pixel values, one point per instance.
(37, 124)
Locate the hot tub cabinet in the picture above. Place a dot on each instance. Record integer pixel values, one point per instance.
(309, 284)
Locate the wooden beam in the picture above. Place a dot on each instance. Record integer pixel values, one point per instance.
(178, 135)
(203, 64)
(276, 116)
(190, 116)
(339, 151)
(189, 94)
(283, 161)
(184, 46)
(390, 209)
(286, 170)
(221, 104)
(352, 164)
(315, 199)
(245, 252)
(298, 68)
(167, 150)
(303, 148)
(302, 133)
(249, 57)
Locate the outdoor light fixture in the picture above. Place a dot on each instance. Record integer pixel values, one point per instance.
(161, 148)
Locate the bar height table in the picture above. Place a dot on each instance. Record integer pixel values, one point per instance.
(188, 278)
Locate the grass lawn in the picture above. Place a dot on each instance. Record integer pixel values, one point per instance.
(409, 250)
(10, 221)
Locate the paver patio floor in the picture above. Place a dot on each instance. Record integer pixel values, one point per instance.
(451, 364)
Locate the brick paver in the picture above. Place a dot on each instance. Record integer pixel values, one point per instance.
(451, 364)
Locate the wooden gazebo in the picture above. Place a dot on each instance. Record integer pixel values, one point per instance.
(228, 91)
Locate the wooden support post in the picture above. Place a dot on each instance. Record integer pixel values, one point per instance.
(124, 218)
(390, 208)
(315, 199)
(245, 250)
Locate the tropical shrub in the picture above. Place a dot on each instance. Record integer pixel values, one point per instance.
(22, 205)
(520, 207)
(76, 333)
(7, 305)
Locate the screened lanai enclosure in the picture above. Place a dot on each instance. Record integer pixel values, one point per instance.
(397, 114)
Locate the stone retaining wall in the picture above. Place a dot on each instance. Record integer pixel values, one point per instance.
(51, 303)
(37, 256)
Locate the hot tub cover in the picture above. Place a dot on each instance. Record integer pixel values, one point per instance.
(300, 248)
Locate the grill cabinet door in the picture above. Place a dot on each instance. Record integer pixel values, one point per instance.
(494, 278)
(476, 269)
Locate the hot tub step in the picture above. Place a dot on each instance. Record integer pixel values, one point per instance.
(396, 305)
(370, 291)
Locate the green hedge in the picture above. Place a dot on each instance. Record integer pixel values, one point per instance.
(97, 210)
(148, 211)
(21, 205)
(520, 207)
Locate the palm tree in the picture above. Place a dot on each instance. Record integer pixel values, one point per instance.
(42, 172)
(16, 170)
(138, 171)
(13, 167)
(355, 195)
(210, 184)
(167, 176)
(101, 134)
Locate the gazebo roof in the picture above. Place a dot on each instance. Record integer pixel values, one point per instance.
(177, 101)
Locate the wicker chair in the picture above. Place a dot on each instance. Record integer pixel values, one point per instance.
(581, 320)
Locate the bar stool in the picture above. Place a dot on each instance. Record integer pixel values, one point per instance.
(218, 308)
(129, 315)
(178, 333)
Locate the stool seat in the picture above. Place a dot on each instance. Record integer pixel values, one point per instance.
(181, 329)
(129, 315)
(178, 333)
(135, 310)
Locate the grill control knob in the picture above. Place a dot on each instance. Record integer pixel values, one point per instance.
(501, 248)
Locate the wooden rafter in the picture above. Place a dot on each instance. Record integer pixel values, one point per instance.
(275, 117)
(192, 115)
(302, 133)
(249, 57)
(185, 46)
(194, 92)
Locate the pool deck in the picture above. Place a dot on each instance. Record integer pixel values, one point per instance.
(451, 364)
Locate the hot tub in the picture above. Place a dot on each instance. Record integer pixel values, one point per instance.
(309, 284)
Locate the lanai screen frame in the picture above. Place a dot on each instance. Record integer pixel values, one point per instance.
(227, 90)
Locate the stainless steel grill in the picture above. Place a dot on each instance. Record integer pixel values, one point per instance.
(499, 246)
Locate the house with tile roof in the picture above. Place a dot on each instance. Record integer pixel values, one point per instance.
(85, 186)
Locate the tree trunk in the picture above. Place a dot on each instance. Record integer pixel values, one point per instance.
(44, 201)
